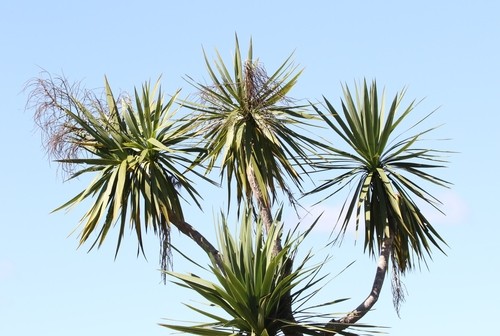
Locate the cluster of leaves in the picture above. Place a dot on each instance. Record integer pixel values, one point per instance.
(137, 151)
(252, 283)
(248, 123)
(377, 167)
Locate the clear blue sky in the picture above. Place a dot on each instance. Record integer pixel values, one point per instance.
(445, 51)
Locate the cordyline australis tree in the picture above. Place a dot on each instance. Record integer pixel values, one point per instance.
(142, 154)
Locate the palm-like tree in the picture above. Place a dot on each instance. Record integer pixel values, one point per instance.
(137, 151)
(247, 122)
(380, 167)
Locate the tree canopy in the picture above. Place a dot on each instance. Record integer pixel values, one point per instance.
(145, 151)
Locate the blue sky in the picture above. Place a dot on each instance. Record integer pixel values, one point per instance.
(444, 51)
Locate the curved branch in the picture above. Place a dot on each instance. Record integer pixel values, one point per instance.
(199, 239)
(378, 282)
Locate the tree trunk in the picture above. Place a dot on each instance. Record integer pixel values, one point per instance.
(378, 282)
(263, 207)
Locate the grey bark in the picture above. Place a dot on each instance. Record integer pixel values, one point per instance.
(199, 239)
(365, 306)
(263, 207)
